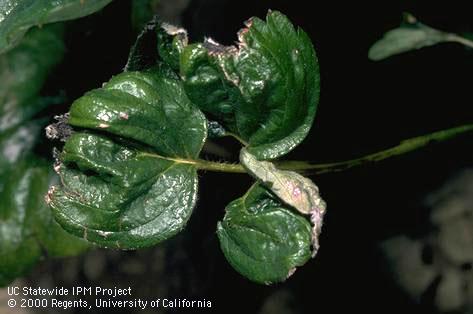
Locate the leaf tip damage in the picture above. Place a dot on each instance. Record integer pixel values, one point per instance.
(59, 130)
(293, 189)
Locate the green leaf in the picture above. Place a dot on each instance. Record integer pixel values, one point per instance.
(411, 35)
(265, 90)
(158, 43)
(292, 188)
(129, 180)
(17, 16)
(143, 54)
(23, 71)
(263, 239)
(171, 41)
(27, 229)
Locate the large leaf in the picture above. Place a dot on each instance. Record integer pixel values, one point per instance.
(17, 16)
(27, 229)
(23, 71)
(130, 181)
(263, 239)
(265, 90)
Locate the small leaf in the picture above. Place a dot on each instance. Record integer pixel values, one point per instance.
(411, 35)
(292, 188)
(17, 16)
(265, 90)
(27, 229)
(128, 180)
(263, 239)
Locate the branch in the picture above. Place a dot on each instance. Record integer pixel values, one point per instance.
(315, 169)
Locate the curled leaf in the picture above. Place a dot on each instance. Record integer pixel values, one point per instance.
(128, 179)
(158, 43)
(263, 239)
(265, 90)
(292, 188)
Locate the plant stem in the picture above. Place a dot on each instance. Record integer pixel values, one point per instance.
(460, 39)
(313, 169)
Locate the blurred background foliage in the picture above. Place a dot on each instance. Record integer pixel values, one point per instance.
(365, 106)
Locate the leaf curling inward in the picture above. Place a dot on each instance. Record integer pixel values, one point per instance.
(292, 188)
(265, 89)
(127, 179)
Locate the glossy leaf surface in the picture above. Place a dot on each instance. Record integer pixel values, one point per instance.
(128, 181)
(17, 16)
(265, 90)
(263, 239)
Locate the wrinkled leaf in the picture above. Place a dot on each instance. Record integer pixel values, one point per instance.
(128, 181)
(23, 71)
(411, 35)
(171, 42)
(263, 239)
(17, 16)
(292, 189)
(158, 43)
(265, 90)
(27, 229)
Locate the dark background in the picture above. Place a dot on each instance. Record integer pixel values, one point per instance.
(365, 107)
